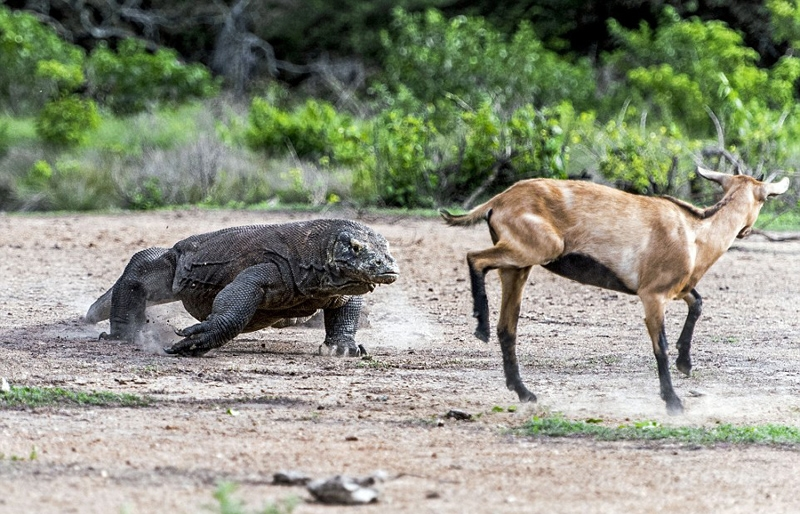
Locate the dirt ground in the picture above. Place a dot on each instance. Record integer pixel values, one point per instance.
(266, 402)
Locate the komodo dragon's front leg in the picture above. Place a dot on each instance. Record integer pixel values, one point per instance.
(232, 310)
(341, 324)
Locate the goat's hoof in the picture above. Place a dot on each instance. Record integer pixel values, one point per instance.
(674, 407)
(684, 366)
(523, 393)
(482, 334)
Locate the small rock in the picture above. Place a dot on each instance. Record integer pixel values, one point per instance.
(459, 415)
(4, 387)
(343, 490)
(290, 478)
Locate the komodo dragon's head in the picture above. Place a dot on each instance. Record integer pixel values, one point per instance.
(360, 258)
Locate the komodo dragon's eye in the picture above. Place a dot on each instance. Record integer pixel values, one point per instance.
(356, 245)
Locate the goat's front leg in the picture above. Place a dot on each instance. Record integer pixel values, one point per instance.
(654, 308)
(684, 360)
(513, 282)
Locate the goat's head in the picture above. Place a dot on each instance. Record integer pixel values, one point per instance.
(755, 191)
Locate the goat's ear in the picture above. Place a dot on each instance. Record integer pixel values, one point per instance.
(775, 188)
(720, 178)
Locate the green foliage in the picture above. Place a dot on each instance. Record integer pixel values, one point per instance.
(65, 78)
(401, 162)
(18, 397)
(5, 138)
(67, 121)
(314, 131)
(684, 67)
(470, 60)
(132, 79)
(785, 21)
(24, 43)
(558, 426)
(640, 159)
(66, 185)
(163, 129)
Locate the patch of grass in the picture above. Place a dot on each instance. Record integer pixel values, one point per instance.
(558, 426)
(227, 504)
(18, 397)
(165, 128)
(33, 455)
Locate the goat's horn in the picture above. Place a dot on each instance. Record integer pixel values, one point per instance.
(776, 188)
(719, 178)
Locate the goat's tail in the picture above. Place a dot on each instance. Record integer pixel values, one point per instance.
(473, 217)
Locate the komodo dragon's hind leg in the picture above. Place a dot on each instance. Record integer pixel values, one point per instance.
(147, 279)
(340, 329)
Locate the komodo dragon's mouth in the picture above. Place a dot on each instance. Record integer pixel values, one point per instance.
(385, 278)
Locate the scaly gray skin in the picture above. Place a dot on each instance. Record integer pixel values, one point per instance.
(243, 279)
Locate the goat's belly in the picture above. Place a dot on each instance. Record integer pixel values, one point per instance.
(586, 270)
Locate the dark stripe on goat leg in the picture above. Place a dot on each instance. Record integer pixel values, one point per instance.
(586, 270)
(674, 404)
(480, 309)
(684, 360)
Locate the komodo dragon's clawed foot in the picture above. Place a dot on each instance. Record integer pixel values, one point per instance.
(197, 340)
(187, 348)
(342, 349)
(105, 336)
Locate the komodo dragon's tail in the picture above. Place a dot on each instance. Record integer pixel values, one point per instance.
(100, 309)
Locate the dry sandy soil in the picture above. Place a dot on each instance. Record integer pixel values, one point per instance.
(265, 402)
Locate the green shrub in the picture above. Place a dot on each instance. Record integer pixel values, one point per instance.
(24, 42)
(644, 160)
(132, 79)
(67, 185)
(66, 78)
(402, 167)
(67, 121)
(313, 131)
(684, 67)
(467, 58)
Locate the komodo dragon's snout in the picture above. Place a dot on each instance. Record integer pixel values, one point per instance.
(243, 279)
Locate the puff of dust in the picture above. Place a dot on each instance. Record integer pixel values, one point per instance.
(159, 332)
(395, 322)
(155, 336)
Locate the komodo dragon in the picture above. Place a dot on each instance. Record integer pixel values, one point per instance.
(243, 279)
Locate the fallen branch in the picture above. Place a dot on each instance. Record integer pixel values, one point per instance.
(775, 237)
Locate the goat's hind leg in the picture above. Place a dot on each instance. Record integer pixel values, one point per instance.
(684, 360)
(513, 281)
(480, 302)
(147, 280)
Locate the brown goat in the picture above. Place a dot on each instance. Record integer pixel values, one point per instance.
(655, 247)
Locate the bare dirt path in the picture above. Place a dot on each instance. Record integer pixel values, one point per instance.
(266, 403)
